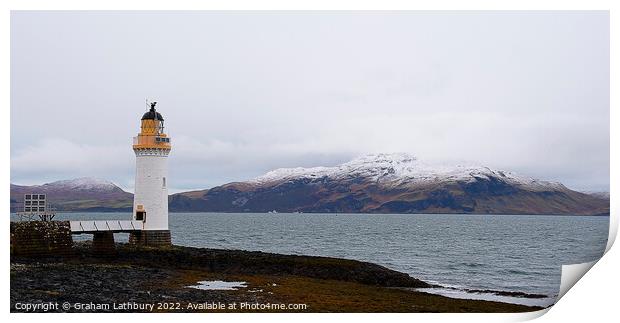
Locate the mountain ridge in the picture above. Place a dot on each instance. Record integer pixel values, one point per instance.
(392, 183)
(402, 166)
(376, 183)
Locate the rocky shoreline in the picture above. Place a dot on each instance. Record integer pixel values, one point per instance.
(141, 279)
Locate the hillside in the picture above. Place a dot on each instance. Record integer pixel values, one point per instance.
(81, 194)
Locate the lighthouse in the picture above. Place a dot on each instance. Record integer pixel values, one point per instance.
(150, 203)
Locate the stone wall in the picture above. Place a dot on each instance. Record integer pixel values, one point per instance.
(53, 238)
(151, 238)
(103, 244)
(41, 238)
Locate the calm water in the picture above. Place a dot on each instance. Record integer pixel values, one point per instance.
(496, 252)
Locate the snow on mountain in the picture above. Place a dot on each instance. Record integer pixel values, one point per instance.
(402, 168)
(84, 183)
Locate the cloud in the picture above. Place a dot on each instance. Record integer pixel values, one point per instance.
(56, 158)
(246, 93)
(198, 164)
(193, 164)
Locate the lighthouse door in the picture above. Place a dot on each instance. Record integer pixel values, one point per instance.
(140, 216)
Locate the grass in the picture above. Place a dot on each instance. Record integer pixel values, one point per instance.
(322, 295)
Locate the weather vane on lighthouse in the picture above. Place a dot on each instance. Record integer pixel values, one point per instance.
(150, 205)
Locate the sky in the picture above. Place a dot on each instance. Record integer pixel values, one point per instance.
(243, 93)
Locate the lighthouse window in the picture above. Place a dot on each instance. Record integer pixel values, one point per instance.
(164, 182)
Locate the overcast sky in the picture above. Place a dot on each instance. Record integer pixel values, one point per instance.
(243, 93)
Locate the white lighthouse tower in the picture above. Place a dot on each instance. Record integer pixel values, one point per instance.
(150, 203)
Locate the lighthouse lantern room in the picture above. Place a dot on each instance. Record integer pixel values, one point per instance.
(150, 205)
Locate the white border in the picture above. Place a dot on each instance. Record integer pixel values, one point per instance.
(594, 298)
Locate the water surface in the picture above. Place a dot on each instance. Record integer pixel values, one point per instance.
(486, 252)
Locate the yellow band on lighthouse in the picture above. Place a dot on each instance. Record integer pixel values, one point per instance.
(152, 134)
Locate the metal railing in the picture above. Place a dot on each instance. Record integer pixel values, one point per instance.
(90, 226)
(151, 140)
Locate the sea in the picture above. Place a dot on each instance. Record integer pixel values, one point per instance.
(470, 256)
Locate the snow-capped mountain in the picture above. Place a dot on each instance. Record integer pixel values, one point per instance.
(392, 183)
(84, 183)
(402, 168)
